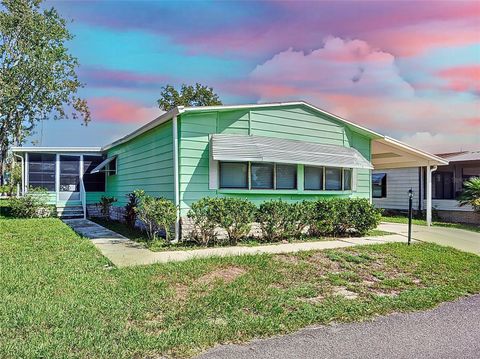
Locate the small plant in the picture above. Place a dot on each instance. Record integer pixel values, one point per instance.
(202, 213)
(34, 204)
(105, 205)
(130, 210)
(235, 215)
(471, 193)
(158, 214)
(276, 220)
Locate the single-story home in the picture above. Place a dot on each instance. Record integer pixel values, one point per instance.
(291, 151)
(391, 184)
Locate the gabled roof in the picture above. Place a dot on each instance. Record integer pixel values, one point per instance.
(181, 109)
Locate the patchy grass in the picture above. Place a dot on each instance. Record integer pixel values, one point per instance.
(160, 245)
(422, 222)
(60, 298)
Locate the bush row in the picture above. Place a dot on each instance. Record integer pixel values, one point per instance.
(280, 220)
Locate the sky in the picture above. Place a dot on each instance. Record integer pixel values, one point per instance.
(407, 69)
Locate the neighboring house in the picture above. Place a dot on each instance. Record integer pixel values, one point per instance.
(291, 151)
(390, 187)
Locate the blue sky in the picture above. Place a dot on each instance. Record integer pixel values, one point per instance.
(414, 75)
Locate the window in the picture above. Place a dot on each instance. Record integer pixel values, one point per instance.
(234, 175)
(333, 179)
(286, 176)
(442, 186)
(41, 171)
(313, 178)
(379, 185)
(261, 175)
(112, 167)
(347, 179)
(94, 182)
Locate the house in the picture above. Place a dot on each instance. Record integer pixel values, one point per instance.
(291, 151)
(390, 186)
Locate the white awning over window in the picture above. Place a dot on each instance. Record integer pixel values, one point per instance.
(268, 149)
(102, 165)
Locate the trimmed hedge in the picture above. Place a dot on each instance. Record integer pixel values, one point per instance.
(281, 220)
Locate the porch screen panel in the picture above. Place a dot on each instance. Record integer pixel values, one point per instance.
(313, 178)
(286, 176)
(70, 173)
(41, 171)
(94, 182)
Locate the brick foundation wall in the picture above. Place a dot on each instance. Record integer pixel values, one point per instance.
(459, 217)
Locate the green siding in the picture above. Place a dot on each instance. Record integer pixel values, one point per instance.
(145, 162)
(290, 122)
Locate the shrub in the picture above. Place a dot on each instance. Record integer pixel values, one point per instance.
(301, 214)
(34, 204)
(340, 217)
(202, 213)
(235, 215)
(158, 214)
(105, 205)
(276, 220)
(130, 210)
(471, 193)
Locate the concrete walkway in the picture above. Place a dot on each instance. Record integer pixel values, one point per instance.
(123, 252)
(448, 331)
(461, 239)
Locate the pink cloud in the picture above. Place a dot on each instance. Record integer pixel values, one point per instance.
(116, 110)
(368, 89)
(462, 78)
(109, 78)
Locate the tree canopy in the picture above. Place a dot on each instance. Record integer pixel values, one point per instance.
(189, 95)
(38, 79)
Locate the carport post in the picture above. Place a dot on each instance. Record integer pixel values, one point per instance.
(430, 169)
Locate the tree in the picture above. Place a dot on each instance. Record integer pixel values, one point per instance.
(471, 193)
(38, 79)
(198, 95)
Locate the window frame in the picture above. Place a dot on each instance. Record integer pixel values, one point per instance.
(383, 186)
(220, 175)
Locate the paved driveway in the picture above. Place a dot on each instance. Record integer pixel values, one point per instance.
(449, 331)
(467, 241)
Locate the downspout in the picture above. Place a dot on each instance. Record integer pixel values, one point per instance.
(176, 178)
(23, 172)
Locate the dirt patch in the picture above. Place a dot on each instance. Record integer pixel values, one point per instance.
(181, 291)
(323, 263)
(313, 300)
(344, 292)
(227, 275)
(285, 258)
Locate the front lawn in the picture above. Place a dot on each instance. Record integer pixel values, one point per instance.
(59, 297)
(422, 222)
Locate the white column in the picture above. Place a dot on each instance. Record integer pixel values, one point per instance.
(57, 177)
(429, 196)
(176, 177)
(26, 172)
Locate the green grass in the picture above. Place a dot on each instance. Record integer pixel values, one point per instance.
(422, 222)
(160, 245)
(59, 297)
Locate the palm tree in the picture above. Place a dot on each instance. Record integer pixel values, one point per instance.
(471, 193)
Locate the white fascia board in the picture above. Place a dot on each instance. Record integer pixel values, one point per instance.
(434, 160)
(57, 149)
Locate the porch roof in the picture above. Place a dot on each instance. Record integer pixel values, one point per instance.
(390, 153)
(57, 149)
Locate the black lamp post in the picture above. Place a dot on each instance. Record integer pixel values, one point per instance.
(410, 200)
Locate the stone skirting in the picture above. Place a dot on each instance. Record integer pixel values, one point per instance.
(459, 217)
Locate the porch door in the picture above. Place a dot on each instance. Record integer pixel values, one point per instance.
(69, 178)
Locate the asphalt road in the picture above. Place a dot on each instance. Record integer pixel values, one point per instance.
(451, 330)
